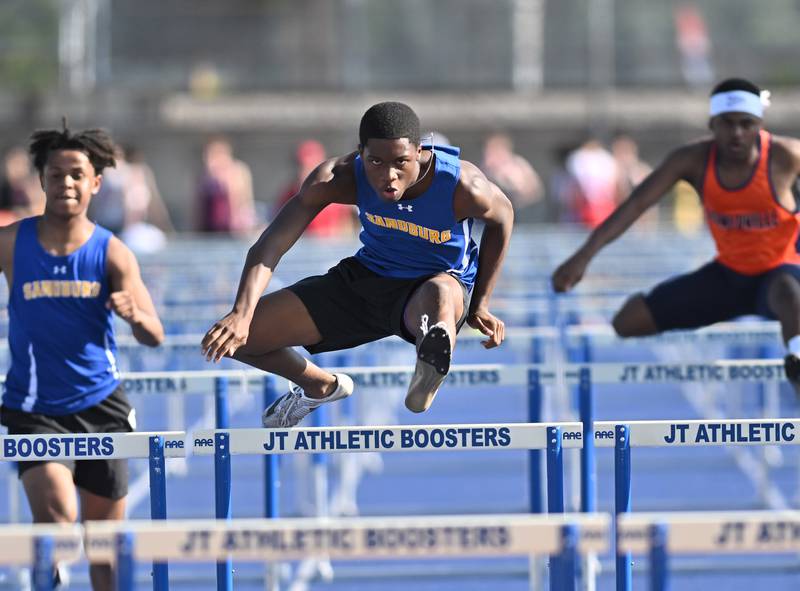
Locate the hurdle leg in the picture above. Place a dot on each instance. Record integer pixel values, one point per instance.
(588, 462)
(658, 558)
(622, 501)
(569, 557)
(125, 562)
(555, 494)
(158, 503)
(536, 501)
(43, 561)
(222, 480)
(271, 488)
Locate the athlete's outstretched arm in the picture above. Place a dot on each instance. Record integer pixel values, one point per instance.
(8, 236)
(677, 166)
(331, 182)
(129, 297)
(476, 197)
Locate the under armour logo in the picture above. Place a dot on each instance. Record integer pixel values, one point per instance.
(62, 270)
(401, 207)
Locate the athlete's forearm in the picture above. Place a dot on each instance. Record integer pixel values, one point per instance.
(494, 245)
(255, 278)
(147, 329)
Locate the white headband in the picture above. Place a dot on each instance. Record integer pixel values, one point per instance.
(739, 101)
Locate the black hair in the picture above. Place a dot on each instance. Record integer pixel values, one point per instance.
(95, 143)
(736, 84)
(389, 121)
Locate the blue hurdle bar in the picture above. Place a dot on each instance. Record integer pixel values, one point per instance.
(622, 500)
(658, 557)
(158, 503)
(555, 495)
(588, 459)
(224, 504)
(535, 455)
(43, 563)
(568, 560)
(271, 474)
(126, 566)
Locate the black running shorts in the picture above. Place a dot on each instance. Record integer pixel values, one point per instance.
(352, 305)
(713, 293)
(105, 478)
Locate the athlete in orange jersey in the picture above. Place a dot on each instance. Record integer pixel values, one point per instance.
(745, 178)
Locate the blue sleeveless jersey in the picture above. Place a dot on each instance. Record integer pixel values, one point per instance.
(421, 236)
(60, 334)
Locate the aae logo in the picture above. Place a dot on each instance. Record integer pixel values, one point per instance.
(203, 443)
(174, 443)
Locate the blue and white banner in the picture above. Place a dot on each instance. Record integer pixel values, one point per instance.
(16, 542)
(389, 438)
(713, 432)
(88, 446)
(350, 538)
(730, 532)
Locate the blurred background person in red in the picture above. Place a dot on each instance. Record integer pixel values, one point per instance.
(336, 219)
(595, 171)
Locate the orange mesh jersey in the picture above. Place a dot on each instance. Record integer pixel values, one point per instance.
(754, 233)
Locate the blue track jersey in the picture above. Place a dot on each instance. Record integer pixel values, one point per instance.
(60, 334)
(421, 236)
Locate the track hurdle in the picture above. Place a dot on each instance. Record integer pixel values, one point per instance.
(225, 383)
(679, 433)
(662, 535)
(586, 375)
(524, 436)
(86, 446)
(40, 546)
(421, 537)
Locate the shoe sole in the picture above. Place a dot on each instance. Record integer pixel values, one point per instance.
(433, 363)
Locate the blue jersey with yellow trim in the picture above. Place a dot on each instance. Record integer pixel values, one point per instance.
(60, 333)
(420, 236)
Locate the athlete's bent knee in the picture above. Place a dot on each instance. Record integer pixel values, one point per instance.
(634, 319)
(621, 325)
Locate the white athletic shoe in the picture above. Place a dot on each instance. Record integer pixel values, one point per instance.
(292, 407)
(433, 363)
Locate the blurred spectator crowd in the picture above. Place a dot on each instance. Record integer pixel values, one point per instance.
(585, 183)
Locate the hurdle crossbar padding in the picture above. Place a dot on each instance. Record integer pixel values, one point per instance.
(702, 432)
(477, 375)
(349, 538)
(713, 532)
(739, 370)
(88, 446)
(17, 542)
(724, 332)
(389, 438)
